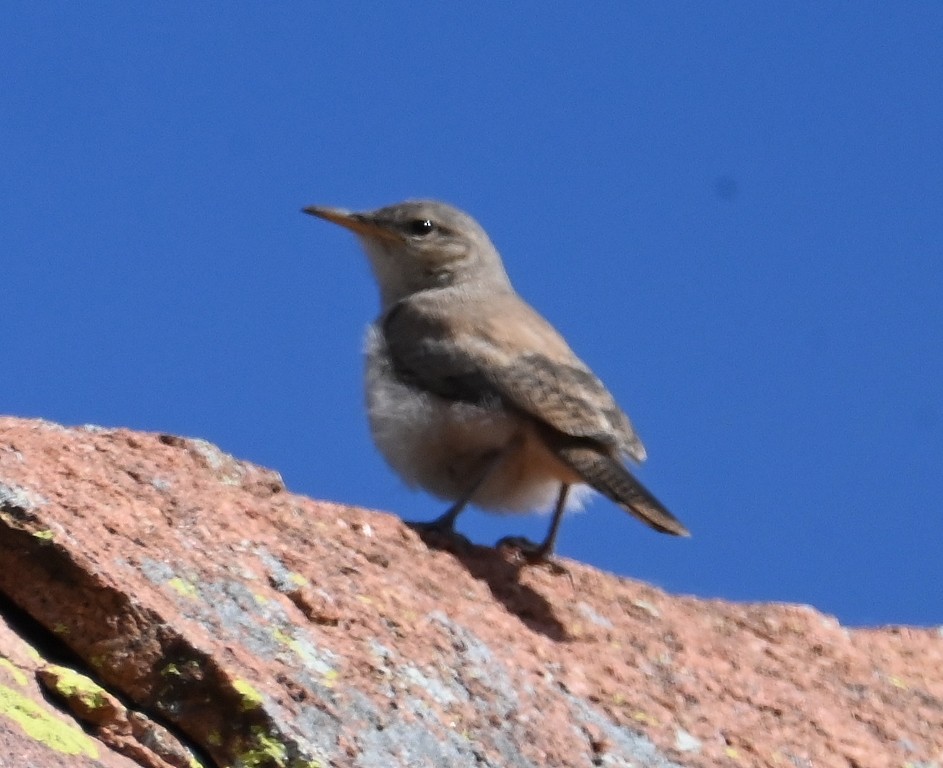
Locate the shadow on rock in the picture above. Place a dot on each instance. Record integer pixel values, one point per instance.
(500, 570)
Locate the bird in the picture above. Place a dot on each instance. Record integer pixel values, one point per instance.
(471, 394)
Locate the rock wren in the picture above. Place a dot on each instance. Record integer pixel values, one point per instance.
(471, 394)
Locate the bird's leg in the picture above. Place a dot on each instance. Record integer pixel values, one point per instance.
(540, 553)
(445, 523)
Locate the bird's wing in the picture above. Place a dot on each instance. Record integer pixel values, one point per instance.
(510, 356)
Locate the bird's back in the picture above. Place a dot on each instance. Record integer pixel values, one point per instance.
(463, 345)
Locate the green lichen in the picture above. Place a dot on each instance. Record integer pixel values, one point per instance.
(15, 672)
(43, 727)
(71, 685)
(183, 587)
(251, 698)
(46, 535)
(267, 751)
(188, 669)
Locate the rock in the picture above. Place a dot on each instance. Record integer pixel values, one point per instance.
(164, 604)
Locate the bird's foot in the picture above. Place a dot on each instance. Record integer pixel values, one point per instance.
(531, 553)
(440, 534)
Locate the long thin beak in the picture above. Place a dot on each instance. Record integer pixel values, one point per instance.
(358, 223)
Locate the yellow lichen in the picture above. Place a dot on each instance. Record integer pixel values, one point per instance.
(644, 717)
(71, 685)
(43, 727)
(251, 698)
(46, 535)
(283, 638)
(298, 579)
(182, 587)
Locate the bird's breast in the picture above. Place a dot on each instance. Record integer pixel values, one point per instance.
(444, 445)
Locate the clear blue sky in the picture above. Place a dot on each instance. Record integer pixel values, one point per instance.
(734, 211)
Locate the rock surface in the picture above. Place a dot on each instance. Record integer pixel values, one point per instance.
(163, 604)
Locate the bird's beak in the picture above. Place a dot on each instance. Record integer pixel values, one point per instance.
(358, 223)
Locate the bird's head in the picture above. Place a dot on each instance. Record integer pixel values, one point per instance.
(420, 245)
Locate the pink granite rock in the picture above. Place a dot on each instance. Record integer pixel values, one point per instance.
(163, 604)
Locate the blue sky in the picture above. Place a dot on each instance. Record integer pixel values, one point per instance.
(733, 211)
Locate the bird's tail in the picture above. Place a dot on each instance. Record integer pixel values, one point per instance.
(608, 476)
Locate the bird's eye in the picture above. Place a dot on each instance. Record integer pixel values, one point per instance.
(420, 227)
